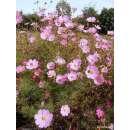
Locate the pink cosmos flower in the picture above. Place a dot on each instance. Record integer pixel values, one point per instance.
(61, 30)
(104, 70)
(99, 80)
(84, 46)
(60, 79)
(92, 30)
(97, 27)
(74, 65)
(72, 76)
(65, 110)
(111, 33)
(63, 42)
(19, 17)
(91, 19)
(69, 25)
(93, 58)
(51, 73)
(32, 64)
(51, 37)
(31, 39)
(43, 118)
(60, 61)
(111, 126)
(83, 42)
(50, 65)
(46, 33)
(41, 84)
(57, 23)
(20, 69)
(37, 72)
(100, 113)
(81, 27)
(91, 72)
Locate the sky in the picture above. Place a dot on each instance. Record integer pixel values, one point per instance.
(28, 6)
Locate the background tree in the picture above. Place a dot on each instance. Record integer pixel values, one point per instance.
(106, 20)
(88, 12)
(63, 8)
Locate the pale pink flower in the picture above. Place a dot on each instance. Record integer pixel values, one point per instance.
(43, 118)
(32, 64)
(60, 79)
(97, 27)
(19, 17)
(63, 42)
(92, 72)
(51, 73)
(65, 110)
(61, 30)
(83, 42)
(60, 61)
(51, 37)
(74, 65)
(91, 19)
(50, 65)
(69, 25)
(93, 58)
(111, 126)
(72, 76)
(41, 84)
(111, 33)
(92, 30)
(84, 45)
(20, 69)
(81, 27)
(104, 70)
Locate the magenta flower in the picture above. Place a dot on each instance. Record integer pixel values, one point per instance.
(51, 73)
(65, 110)
(100, 113)
(43, 118)
(20, 69)
(19, 17)
(99, 80)
(72, 76)
(60, 61)
(32, 64)
(50, 65)
(91, 72)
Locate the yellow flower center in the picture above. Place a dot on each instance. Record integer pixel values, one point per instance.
(43, 118)
(90, 71)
